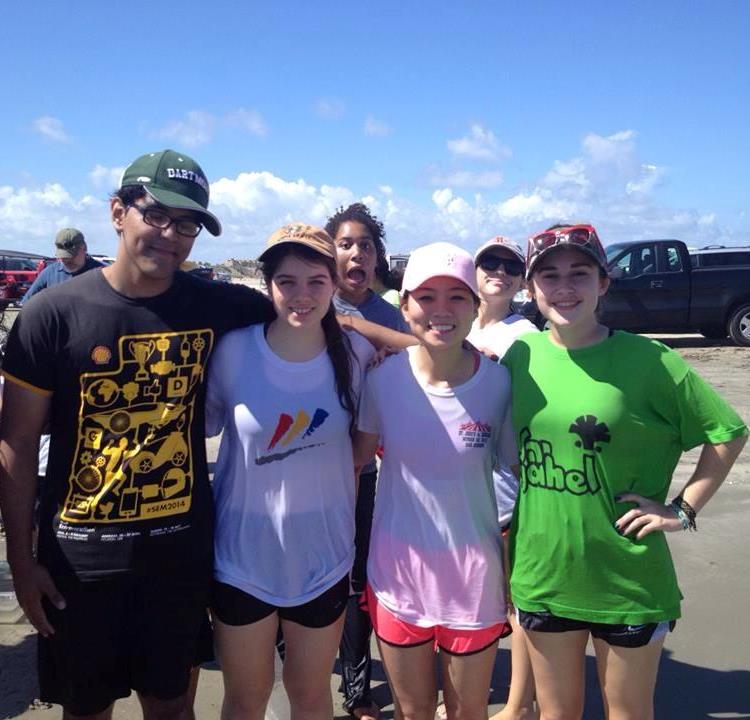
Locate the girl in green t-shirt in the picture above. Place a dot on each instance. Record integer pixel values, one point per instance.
(602, 419)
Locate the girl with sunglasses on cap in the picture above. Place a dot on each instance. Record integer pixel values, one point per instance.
(500, 267)
(285, 395)
(435, 571)
(602, 420)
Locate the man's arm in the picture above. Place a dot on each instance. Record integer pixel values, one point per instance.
(23, 419)
(39, 284)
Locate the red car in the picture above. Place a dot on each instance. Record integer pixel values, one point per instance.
(17, 271)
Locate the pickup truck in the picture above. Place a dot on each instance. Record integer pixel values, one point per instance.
(657, 286)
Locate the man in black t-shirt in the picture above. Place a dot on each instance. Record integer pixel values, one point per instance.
(116, 359)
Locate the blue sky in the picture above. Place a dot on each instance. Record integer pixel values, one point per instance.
(454, 121)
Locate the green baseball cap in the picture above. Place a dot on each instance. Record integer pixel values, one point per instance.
(175, 181)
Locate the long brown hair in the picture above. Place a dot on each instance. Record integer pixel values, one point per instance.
(338, 346)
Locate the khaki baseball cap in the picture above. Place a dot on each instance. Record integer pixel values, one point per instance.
(301, 234)
(174, 180)
(68, 242)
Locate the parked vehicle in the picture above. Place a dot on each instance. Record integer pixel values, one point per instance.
(720, 256)
(104, 259)
(658, 286)
(17, 271)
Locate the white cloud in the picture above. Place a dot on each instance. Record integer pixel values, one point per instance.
(479, 144)
(329, 108)
(50, 128)
(468, 179)
(249, 120)
(375, 128)
(568, 173)
(651, 176)
(539, 206)
(199, 126)
(606, 183)
(106, 178)
(196, 128)
(30, 217)
(442, 197)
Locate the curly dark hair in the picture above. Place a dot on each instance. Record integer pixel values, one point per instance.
(130, 193)
(359, 212)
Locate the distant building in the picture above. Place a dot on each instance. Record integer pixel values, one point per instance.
(397, 262)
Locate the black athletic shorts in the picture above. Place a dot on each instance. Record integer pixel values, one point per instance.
(235, 607)
(123, 634)
(631, 636)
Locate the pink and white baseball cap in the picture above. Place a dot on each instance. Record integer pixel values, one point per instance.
(440, 259)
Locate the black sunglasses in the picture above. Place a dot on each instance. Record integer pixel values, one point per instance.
(490, 263)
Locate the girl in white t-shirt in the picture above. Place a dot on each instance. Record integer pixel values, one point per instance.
(501, 265)
(285, 396)
(435, 567)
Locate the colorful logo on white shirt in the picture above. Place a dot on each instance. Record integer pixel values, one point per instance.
(475, 434)
(288, 429)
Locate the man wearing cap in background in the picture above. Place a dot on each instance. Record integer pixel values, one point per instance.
(73, 257)
(116, 358)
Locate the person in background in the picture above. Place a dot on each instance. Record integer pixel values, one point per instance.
(360, 248)
(72, 260)
(602, 418)
(500, 266)
(387, 283)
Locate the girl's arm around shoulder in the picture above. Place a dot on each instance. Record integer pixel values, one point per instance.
(379, 335)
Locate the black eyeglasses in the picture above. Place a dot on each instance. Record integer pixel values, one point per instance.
(159, 219)
(490, 263)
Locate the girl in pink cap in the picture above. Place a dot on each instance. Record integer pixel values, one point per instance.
(435, 568)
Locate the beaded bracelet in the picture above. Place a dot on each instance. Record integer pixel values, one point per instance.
(685, 513)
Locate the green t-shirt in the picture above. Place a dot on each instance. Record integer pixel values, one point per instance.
(593, 423)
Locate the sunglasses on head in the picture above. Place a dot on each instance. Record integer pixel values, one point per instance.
(583, 236)
(490, 263)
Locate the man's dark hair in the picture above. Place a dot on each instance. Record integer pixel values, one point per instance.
(360, 213)
(130, 193)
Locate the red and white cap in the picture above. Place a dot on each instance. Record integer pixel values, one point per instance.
(500, 241)
(440, 259)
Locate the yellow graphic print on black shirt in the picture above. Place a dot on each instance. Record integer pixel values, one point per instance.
(133, 458)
